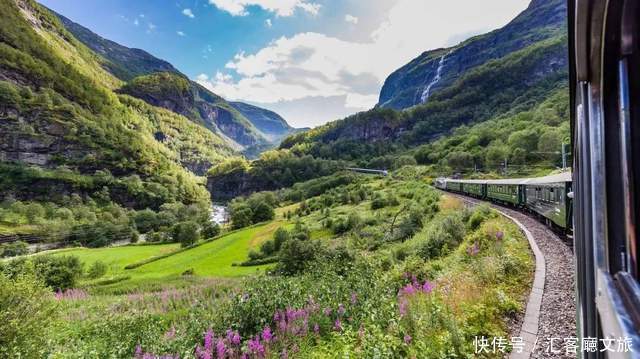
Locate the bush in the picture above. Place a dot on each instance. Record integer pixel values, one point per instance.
(146, 221)
(479, 215)
(97, 270)
(263, 212)
(28, 310)
(155, 237)
(185, 233)
(295, 254)
(280, 236)
(17, 248)
(442, 237)
(210, 230)
(59, 273)
(241, 216)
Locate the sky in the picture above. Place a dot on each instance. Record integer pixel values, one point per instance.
(312, 61)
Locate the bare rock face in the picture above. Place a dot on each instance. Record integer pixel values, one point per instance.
(232, 185)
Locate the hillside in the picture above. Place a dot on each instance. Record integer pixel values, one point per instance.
(123, 62)
(65, 132)
(527, 66)
(175, 92)
(268, 122)
(178, 94)
(410, 85)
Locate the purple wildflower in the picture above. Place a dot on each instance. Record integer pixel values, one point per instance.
(233, 337)
(256, 347)
(407, 339)
(221, 349)
(208, 340)
(354, 298)
(337, 326)
(138, 352)
(267, 336)
(327, 311)
(316, 328)
(341, 309)
(473, 250)
(499, 235)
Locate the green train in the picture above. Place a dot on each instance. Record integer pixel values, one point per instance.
(548, 197)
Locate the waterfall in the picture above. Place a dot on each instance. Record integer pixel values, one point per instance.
(426, 92)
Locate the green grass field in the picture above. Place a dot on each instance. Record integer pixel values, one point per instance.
(116, 258)
(210, 260)
(213, 259)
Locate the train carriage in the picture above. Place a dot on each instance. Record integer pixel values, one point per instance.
(547, 196)
(452, 185)
(506, 191)
(474, 188)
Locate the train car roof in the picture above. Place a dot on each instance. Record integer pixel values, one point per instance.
(556, 178)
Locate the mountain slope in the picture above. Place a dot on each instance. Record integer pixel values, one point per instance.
(179, 94)
(514, 82)
(123, 62)
(268, 122)
(63, 131)
(409, 85)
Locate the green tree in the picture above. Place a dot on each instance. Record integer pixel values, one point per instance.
(241, 216)
(185, 233)
(263, 212)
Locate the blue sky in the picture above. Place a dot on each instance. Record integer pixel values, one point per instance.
(312, 61)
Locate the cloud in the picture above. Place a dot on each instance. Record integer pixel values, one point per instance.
(279, 7)
(351, 19)
(150, 27)
(180, 33)
(316, 65)
(188, 13)
(136, 22)
(268, 23)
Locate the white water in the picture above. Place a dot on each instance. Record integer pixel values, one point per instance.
(426, 92)
(219, 214)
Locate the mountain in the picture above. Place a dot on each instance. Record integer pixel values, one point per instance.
(123, 62)
(268, 122)
(440, 68)
(178, 94)
(64, 131)
(158, 83)
(504, 72)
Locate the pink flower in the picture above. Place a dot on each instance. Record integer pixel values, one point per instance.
(221, 349)
(170, 334)
(407, 339)
(499, 235)
(337, 326)
(267, 336)
(208, 340)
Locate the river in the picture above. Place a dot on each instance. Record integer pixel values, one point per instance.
(219, 214)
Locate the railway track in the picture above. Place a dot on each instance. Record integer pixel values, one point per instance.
(556, 314)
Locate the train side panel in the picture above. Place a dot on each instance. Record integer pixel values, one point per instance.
(508, 193)
(454, 186)
(473, 189)
(548, 200)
